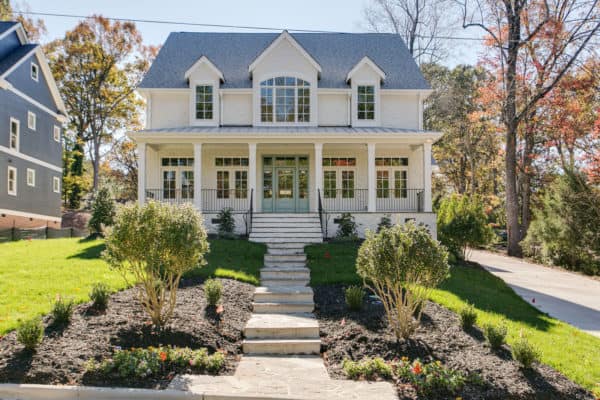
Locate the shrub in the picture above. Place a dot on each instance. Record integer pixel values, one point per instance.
(226, 225)
(468, 316)
(142, 363)
(62, 311)
(566, 227)
(346, 227)
(99, 296)
(156, 244)
(30, 333)
(384, 223)
(495, 335)
(368, 369)
(213, 289)
(462, 223)
(354, 297)
(430, 379)
(103, 211)
(401, 265)
(524, 353)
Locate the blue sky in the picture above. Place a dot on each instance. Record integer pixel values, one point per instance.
(331, 15)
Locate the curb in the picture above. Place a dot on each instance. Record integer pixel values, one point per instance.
(10, 391)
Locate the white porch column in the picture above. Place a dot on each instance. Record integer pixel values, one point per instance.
(252, 172)
(198, 176)
(141, 148)
(371, 178)
(427, 176)
(318, 173)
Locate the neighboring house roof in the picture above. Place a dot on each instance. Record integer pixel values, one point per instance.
(6, 26)
(335, 53)
(15, 57)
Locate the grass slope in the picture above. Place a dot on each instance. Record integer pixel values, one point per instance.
(565, 348)
(33, 273)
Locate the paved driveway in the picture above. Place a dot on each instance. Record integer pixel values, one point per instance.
(568, 296)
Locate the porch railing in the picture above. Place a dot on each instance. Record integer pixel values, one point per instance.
(346, 199)
(399, 200)
(387, 200)
(213, 200)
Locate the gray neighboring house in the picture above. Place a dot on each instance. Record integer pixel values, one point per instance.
(31, 118)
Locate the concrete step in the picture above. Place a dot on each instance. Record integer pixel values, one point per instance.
(282, 326)
(285, 252)
(282, 346)
(275, 294)
(284, 239)
(290, 235)
(286, 229)
(283, 307)
(286, 215)
(285, 257)
(284, 273)
(284, 282)
(294, 224)
(285, 264)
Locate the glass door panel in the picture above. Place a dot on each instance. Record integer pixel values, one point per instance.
(187, 184)
(169, 184)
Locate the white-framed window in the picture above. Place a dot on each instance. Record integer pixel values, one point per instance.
(35, 72)
(30, 177)
(56, 184)
(204, 102)
(177, 177)
(56, 133)
(12, 181)
(285, 99)
(31, 120)
(232, 172)
(15, 128)
(392, 177)
(366, 102)
(339, 172)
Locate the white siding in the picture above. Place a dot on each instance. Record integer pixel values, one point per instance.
(333, 109)
(399, 111)
(169, 110)
(237, 109)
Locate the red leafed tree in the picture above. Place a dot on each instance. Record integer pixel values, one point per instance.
(535, 43)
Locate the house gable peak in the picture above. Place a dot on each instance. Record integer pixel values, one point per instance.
(204, 61)
(368, 62)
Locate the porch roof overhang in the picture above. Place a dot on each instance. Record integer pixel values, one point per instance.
(284, 134)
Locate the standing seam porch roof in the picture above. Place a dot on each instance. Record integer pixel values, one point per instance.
(232, 53)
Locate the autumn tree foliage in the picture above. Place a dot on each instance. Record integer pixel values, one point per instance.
(545, 39)
(97, 66)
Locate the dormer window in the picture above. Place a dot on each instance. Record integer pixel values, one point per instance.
(285, 100)
(204, 102)
(366, 102)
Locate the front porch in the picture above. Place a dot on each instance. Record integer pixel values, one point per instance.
(289, 175)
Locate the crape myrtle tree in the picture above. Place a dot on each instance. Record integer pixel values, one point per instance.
(547, 36)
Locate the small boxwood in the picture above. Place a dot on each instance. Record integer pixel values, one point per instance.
(213, 289)
(468, 316)
(495, 335)
(30, 333)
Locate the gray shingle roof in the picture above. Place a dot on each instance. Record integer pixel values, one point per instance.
(232, 53)
(6, 25)
(15, 56)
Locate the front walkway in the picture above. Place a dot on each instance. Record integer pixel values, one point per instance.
(568, 296)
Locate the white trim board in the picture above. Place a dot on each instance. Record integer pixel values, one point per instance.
(24, 214)
(30, 159)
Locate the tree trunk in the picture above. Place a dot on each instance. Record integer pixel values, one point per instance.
(96, 164)
(526, 186)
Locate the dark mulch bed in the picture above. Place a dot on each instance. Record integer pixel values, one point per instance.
(365, 334)
(61, 357)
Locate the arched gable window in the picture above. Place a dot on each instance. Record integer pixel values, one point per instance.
(284, 99)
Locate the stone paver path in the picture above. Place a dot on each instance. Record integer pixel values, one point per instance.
(568, 296)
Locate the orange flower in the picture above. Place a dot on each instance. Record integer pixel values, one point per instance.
(163, 356)
(416, 369)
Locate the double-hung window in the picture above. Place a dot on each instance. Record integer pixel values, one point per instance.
(392, 177)
(338, 177)
(30, 177)
(232, 172)
(14, 134)
(285, 99)
(12, 181)
(204, 102)
(366, 102)
(31, 120)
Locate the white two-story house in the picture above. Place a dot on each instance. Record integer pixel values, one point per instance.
(288, 123)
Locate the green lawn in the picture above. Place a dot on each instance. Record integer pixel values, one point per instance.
(567, 349)
(33, 273)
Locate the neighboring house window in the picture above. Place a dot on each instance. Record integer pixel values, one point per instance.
(204, 102)
(35, 72)
(366, 102)
(56, 134)
(284, 99)
(177, 177)
(12, 181)
(30, 177)
(389, 168)
(14, 134)
(339, 172)
(31, 120)
(232, 168)
(56, 184)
